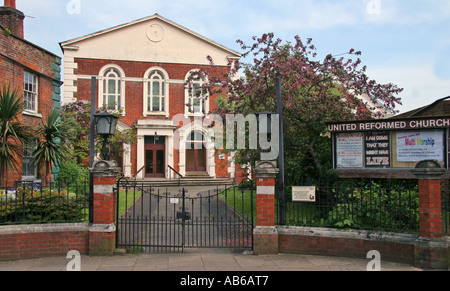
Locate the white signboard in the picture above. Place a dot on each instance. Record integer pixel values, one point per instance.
(349, 148)
(419, 146)
(304, 194)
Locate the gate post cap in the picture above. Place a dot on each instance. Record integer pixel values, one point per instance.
(429, 164)
(429, 170)
(266, 169)
(105, 168)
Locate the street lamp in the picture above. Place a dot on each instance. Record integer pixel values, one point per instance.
(105, 124)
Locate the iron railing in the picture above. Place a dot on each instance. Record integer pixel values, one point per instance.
(384, 205)
(31, 203)
(171, 219)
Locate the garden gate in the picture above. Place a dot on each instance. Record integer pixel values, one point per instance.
(171, 219)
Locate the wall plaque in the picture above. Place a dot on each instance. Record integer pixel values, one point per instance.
(304, 194)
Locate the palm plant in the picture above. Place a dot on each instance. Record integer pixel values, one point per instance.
(12, 132)
(51, 149)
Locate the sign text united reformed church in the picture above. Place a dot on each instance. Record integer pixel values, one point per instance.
(429, 123)
(389, 143)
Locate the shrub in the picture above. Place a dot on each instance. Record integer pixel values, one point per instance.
(33, 205)
(377, 207)
(72, 173)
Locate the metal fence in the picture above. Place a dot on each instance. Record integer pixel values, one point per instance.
(154, 219)
(384, 205)
(31, 203)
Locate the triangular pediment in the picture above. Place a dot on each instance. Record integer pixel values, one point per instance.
(150, 39)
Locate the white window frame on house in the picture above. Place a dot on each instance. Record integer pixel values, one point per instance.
(115, 74)
(156, 87)
(27, 162)
(30, 92)
(199, 105)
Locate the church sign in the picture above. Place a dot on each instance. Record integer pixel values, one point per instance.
(390, 144)
(423, 123)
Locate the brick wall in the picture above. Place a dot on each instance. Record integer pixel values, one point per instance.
(135, 89)
(134, 96)
(17, 56)
(329, 242)
(12, 19)
(34, 241)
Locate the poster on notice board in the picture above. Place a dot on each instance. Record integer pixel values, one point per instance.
(419, 146)
(349, 149)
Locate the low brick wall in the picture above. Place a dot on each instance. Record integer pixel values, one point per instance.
(35, 241)
(329, 242)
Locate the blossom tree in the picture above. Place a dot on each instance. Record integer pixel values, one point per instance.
(79, 115)
(314, 92)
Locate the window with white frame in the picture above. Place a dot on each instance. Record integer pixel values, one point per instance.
(112, 89)
(197, 97)
(28, 166)
(156, 92)
(30, 92)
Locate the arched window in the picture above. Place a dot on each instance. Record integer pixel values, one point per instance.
(112, 88)
(156, 95)
(197, 100)
(156, 92)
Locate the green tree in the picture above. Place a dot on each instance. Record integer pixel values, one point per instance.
(314, 92)
(52, 147)
(78, 114)
(12, 132)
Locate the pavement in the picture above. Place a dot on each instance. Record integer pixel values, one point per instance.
(202, 260)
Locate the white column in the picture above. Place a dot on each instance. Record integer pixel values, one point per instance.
(182, 161)
(140, 155)
(232, 165)
(127, 160)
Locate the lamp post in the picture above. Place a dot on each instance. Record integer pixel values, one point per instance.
(282, 186)
(105, 124)
(265, 115)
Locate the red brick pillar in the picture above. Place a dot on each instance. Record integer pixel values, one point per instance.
(430, 250)
(430, 206)
(102, 232)
(265, 235)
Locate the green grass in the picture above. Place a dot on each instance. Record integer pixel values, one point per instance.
(127, 199)
(241, 202)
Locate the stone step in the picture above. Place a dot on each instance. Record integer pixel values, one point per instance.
(191, 181)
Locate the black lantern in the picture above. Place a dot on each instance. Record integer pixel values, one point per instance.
(105, 124)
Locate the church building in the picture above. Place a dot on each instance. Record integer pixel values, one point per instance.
(141, 69)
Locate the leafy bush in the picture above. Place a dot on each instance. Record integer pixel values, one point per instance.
(33, 205)
(72, 173)
(376, 207)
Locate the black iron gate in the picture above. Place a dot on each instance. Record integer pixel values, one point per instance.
(171, 219)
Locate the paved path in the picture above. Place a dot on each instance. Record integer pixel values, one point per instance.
(203, 260)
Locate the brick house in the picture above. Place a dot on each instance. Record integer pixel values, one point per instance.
(142, 68)
(31, 70)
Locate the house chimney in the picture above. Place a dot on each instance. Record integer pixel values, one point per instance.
(10, 3)
(11, 18)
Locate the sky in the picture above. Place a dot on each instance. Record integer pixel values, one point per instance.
(406, 43)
